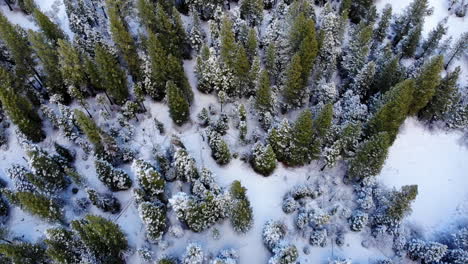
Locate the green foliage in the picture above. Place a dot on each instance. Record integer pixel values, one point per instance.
(151, 182)
(370, 158)
(401, 202)
(426, 84)
(179, 108)
(105, 202)
(71, 65)
(112, 76)
(62, 246)
(115, 179)
(102, 237)
(123, 39)
(51, 30)
(24, 253)
(359, 10)
(263, 159)
(228, 44)
(294, 91)
(263, 98)
(219, 148)
(304, 146)
(280, 140)
(241, 212)
(37, 204)
(19, 109)
(252, 11)
(393, 113)
(154, 216)
(304, 42)
(204, 213)
(91, 130)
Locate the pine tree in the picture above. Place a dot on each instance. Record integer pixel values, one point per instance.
(36, 204)
(401, 201)
(63, 246)
(389, 74)
(114, 179)
(444, 98)
(196, 34)
(303, 146)
(271, 61)
(151, 182)
(457, 50)
(252, 11)
(219, 148)
(71, 65)
(51, 30)
(382, 28)
(357, 52)
(294, 90)
(410, 42)
(91, 130)
(263, 97)
(280, 140)
(370, 158)
(123, 39)
(394, 112)
(242, 215)
(112, 76)
(19, 48)
(23, 252)
(19, 109)
(359, 10)
(102, 238)
(177, 75)
(305, 43)
(179, 108)
(263, 159)
(251, 44)
(426, 84)
(193, 254)
(433, 40)
(48, 55)
(228, 44)
(106, 202)
(154, 217)
(241, 71)
(362, 83)
(322, 125)
(412, 17)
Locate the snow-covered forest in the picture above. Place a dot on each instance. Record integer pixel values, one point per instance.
(233, 131)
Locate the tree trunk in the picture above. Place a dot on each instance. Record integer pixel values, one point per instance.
(8, 4)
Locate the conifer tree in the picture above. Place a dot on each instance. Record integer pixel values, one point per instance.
(389, 74)
(252, 11)
(23, 252)
(102, 238)
(370, 158)
(154, 216)
(401, 201)
(228, 44)
(19, 109)
(271, 61)
(412, 17)
(306, 43)
(457, 50)
(280, 140)
(362, 83)
(51, 30)
(48, 55)
(251, 44)
(71, 65)
(357, 52)
(196, 34)
(410, 42)
(91, 130)
(104, 201)
(112, 76)
(444, 98)
(175, 73)
(359, 10)
(114, 179)
(382, 27)
(242, 215)
(395, 110)
(426, 84)
(433, 40)
(263, 97)
(179, 108)
(303, 146)
(36, 204)
(19, 48)
(123, 39)
(263, 159)
(63, 246)
(322, 125)
(241, 70)
(294, 90)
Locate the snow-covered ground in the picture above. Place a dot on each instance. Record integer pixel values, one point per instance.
(437, 162)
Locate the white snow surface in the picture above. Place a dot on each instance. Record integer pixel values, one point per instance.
(435, 161)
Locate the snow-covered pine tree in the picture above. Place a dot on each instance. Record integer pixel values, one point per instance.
(106, 202)
(196, 33)
(114, 179)
(151, 182)
(193, 254)
(241, 212)
(179, 108)
(280, 139)
(252, 11)
(263, 159)
(154, 217)
(432, 42)
(457, 50)
(357, 51)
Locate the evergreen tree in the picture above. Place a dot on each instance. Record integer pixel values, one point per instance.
(370, 158)
(401, 201)
(388, 75)
(457, 50)
(36, 204)
(62, 246)
(444, 98)
(393, 113)
(412, 17)
(252, 11)
(51, 30)
(196, 34)
(410, 42)
(123, 39)
(154, 216)
(303, 146)
(151, 182)
(251, 44)
(359, 10)
(322, 125)
(106, 202)
(19, 48)
(241, 71)
(263, 97)
(48, 55)
(102, 238)
(114, 179)
(294, 90)
(219, 148)
(426, 84)
(308, 46)
(179, 108)
(263, 159)
(433, 40)
(19, 109)
(23, 252)
(362, 83)
(113, 77)
(271, 61)
(228, 44)
(91, 130)
(382, 28)
(242, 215)
(280, 140)
(71, 65)
(357, 51)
